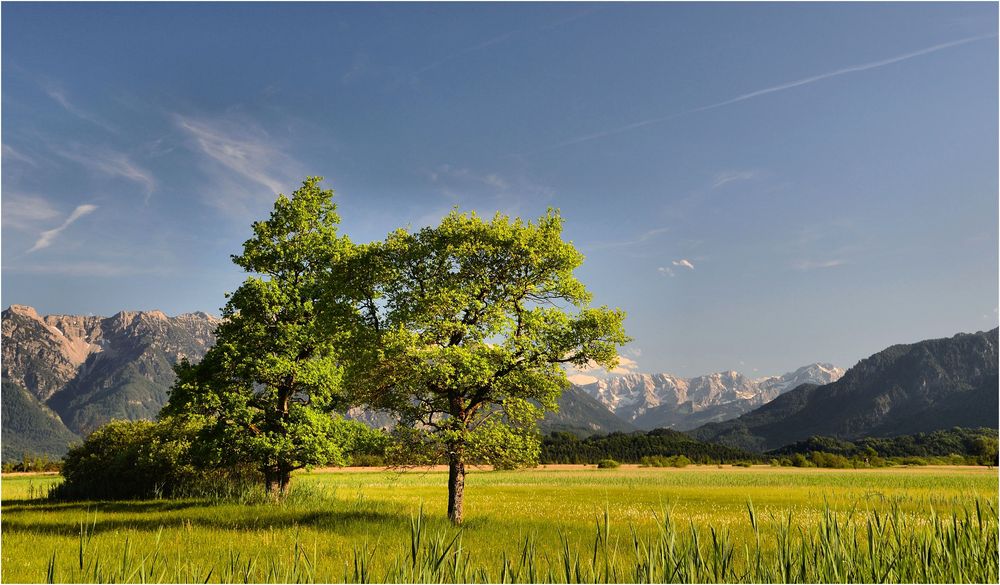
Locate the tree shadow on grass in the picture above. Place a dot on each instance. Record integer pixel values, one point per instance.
(137, 506)
(151, 516)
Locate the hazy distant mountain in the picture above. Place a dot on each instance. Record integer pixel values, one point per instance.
(905, 389)
(88, 370)
(651, 401)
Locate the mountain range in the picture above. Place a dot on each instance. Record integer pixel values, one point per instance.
(65, 375)
(920, 387)
(651, 401)
(76, 373)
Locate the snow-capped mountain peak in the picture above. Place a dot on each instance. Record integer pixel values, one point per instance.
(664, 400)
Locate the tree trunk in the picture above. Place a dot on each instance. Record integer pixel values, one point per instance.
(284, 479)
(272, 484)
(276, 481)
(456, 484)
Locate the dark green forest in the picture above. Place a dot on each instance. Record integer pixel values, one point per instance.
(632, 447)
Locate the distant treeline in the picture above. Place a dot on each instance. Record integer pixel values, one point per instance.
(977, 443)
(953, 446)
(563, 447)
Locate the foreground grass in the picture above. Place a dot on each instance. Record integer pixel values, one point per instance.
(558, 524)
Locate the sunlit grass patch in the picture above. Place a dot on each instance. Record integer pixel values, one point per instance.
(554, 524)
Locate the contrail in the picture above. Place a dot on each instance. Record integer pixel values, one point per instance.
(765, 91)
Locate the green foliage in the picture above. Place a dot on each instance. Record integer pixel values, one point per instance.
(608, 464)
(661, 461)
(266, 388)
(634, 447)
(491, 443)
(502, 446)
(799, 460)
(985, 448)
(359, 443)
(462, 329)
(957, 446)
(821, 459)
(129, 460)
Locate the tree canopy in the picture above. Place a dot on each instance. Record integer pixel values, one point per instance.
(268, 385)
(462, 331)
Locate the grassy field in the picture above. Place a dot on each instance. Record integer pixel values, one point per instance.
(554, 524)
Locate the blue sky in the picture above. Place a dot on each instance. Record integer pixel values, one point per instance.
(759, 186)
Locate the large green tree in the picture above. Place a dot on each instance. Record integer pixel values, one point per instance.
(462, 331)
(267, 388)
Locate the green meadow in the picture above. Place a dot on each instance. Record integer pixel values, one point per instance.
(549, 524)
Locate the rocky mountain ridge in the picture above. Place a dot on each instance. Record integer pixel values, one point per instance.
(665, 401)
(904, 389)
(90, 369)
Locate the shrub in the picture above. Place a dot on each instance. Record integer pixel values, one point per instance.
(363, 445)
(662, 461)
(367, 460)
(742, 464)
(799, 460)
(651, 461)
(832, 460)
(142, 459)
(986, 449)
(124, 460)
(607, 464)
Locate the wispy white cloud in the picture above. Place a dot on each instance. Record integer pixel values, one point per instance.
(814, 264)
(24, 212)
(111, 163)
(12, 154)
(683, 263)
(241, 152)
(59, 96)
(240, 155)
(46, 237)
(726, 177)
(768, 90)
(665, 271)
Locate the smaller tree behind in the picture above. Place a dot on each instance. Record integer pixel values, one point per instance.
(268, 386)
